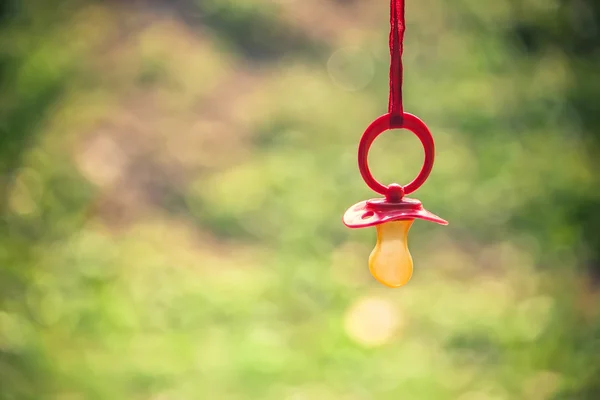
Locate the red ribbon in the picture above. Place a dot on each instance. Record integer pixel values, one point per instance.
(396, 48)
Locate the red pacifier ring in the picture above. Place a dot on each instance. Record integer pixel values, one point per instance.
(385, 123)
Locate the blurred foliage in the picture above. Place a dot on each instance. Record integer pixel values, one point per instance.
(174, 174)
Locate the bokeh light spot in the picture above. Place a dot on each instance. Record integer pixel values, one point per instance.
(351, 68)
(101, 161)
(372, 322)
(26, 193)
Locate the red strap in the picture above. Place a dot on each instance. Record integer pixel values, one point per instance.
(396, 47)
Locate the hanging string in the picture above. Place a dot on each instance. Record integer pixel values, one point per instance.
(396, 48)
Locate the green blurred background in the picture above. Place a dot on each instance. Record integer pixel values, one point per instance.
(174, 173)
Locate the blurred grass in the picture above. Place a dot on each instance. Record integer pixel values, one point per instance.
(174, 175)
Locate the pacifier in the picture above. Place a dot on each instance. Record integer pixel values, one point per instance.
(390, 261)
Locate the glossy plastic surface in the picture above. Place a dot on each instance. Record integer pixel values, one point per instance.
(390, 261)
(378, 211)
(385, 123)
